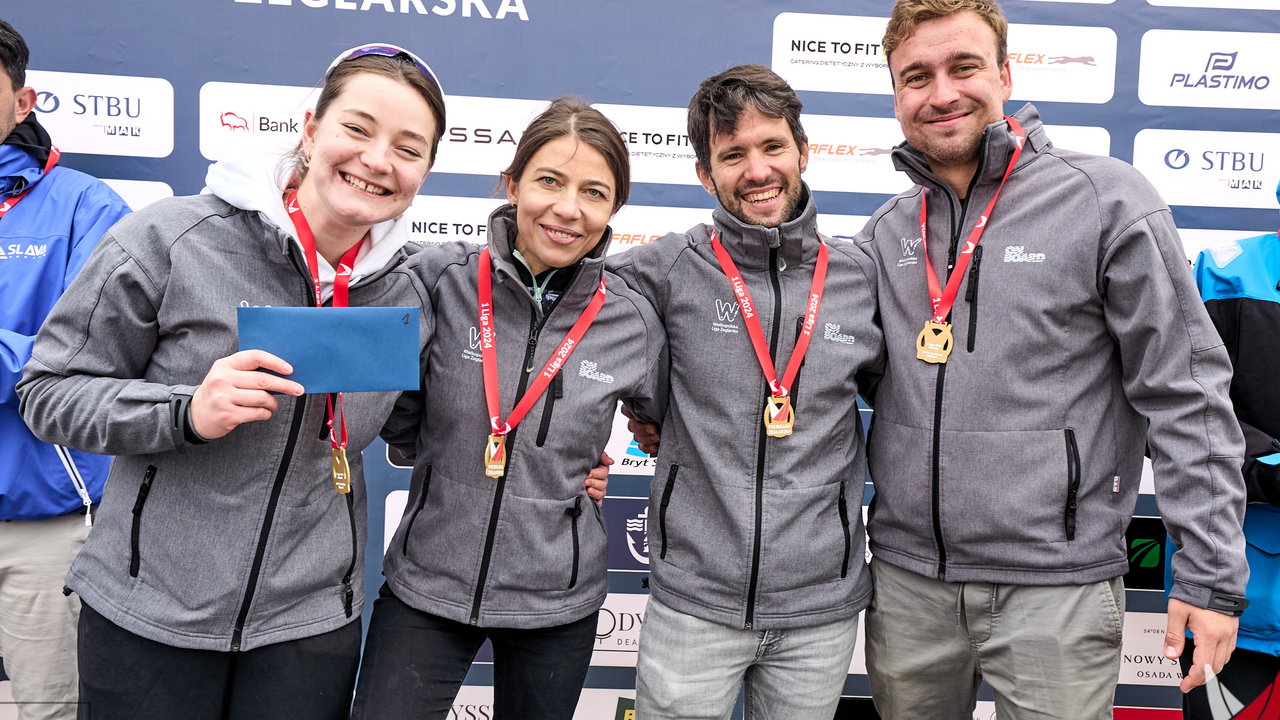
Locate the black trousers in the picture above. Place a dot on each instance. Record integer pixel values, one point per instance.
(1249, 682)
(414, 663)
(127, 677)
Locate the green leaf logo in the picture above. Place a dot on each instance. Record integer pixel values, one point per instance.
(1144, 553)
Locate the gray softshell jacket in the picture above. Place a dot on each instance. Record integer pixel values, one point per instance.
(747, 530)
(1080, 342)
(528, 549)
(240, 542)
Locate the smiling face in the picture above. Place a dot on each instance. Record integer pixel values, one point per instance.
(755, 170)
(948, 86)
(564, 199)
(369, 155)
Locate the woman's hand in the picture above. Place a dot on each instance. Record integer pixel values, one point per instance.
(234, 392)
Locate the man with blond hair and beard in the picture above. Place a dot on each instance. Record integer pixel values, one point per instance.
(1042, 337)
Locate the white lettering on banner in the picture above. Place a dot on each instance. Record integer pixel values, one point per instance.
(477, 8)
(105, 114)
(1208, 167)
(842, 53)
(1192, 68)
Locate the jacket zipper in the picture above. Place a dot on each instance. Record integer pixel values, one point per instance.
(1073, 483)
(277, 488)
(971, 296)
(422, 500)
(535, 328)
(843, 505)
(662, 508)
(295, 428)
(760, 455)
(555, 392)
(574, 513)
(135, 556)
(348, 592)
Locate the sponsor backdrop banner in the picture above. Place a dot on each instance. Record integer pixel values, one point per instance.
(146, 93)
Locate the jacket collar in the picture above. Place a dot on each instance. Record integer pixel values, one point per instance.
(994, 152)
(23, 155)
(502, 235)
(749, 245)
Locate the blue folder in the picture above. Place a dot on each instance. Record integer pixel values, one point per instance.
(351, 349)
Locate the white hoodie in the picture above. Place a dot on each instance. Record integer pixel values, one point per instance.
(258, 183)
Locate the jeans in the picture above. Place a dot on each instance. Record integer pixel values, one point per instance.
(1050, 652)
(414, 663)
(691, 668)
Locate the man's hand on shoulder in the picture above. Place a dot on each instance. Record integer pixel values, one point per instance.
(1215, 635)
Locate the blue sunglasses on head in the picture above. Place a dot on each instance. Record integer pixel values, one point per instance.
(385, 50)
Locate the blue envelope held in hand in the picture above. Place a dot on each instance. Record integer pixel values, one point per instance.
(350, 349)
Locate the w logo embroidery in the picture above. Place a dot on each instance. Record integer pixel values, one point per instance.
(727, 311)
(909, 246)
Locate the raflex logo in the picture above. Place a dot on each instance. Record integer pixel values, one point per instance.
(1144, 552)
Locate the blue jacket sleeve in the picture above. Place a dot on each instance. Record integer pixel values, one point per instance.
(97, 209)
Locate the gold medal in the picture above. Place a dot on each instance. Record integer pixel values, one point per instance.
(341, 472)
(495, 456)
(933, 345)
(779, 417)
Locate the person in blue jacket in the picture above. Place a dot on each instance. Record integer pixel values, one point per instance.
(50, 218)
(1240, 285)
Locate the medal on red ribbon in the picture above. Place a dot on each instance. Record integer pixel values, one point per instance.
(779, 414)
(341, 283)
(495, 448)
(933, 344)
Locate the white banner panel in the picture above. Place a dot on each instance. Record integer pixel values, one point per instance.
(245, 119)
(834, 53)
(482, 134)
(1210, 168)
(105, 114)
(841, 53)
(438, 219)
(1142, 660)
(139, 193)
(1189, 68)
(657, 140)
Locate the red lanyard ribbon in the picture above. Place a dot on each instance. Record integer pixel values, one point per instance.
(12, 202)
(341, 283)
(752, 321)
(489, 359)
(943, 299)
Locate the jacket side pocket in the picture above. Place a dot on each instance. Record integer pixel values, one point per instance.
(422, 500)
(971, 296)
(135, 534)
(843, 505)
(1073, 484)
(662, 508)
(574, 513)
